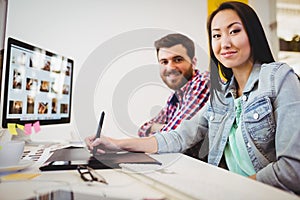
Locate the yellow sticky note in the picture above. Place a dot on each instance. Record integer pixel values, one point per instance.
(12, 129)
(19, 176)
(19, 126)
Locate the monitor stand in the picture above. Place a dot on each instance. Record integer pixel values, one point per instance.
(28, 141)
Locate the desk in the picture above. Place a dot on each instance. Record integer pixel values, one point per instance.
(180, 177)
(120, 185)
(198, 180)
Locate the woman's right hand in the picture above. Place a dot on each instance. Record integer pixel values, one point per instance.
(103, 144)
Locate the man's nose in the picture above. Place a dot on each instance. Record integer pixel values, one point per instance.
(171, 65)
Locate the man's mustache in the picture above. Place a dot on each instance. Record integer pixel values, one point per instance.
(172, 72)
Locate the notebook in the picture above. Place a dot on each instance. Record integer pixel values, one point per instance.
(70, 158)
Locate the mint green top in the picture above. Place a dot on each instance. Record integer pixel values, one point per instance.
(236, 155)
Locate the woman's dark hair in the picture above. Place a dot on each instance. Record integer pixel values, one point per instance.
(260, 50)
(175, 39)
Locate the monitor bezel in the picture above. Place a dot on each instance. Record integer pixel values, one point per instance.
(5, 83)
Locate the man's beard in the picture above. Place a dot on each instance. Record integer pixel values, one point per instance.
(180, 80)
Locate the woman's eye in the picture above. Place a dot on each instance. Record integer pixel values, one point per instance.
(235, 31)
(216, 35)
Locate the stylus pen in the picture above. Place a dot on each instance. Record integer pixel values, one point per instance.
(99, 130)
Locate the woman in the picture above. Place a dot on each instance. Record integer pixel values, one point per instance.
(252, 117)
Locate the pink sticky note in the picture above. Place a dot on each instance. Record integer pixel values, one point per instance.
(27, 129)
(36, 126)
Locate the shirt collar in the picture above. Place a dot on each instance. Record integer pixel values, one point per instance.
(178, 94)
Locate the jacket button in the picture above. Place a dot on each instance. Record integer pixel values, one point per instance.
(244, 98)
(211, 118)
(255, 115)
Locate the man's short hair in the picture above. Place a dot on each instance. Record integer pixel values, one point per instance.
(175, 39)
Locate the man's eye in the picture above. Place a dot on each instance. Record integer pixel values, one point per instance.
(163, 62)
(178, 59)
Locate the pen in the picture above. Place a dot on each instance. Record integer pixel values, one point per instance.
(99, 130)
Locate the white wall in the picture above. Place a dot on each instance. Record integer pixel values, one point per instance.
(3, 4)
(110, 41)
(266, 11)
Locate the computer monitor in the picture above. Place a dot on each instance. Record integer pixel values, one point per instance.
(37, 85)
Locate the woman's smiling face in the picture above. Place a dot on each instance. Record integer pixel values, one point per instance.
(229, 40)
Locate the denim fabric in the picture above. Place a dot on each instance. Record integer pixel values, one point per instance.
(270, 125)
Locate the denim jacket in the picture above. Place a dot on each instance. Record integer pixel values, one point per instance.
(270, 125)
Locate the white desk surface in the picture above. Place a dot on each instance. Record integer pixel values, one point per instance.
(180, 177)
(200, 180)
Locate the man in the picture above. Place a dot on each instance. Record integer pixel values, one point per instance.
(176, 55)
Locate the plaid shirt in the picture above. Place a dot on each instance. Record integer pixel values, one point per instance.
(182, 104)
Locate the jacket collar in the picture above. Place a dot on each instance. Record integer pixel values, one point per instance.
(252, 80)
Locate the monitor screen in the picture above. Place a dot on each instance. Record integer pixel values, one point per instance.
(37, 85)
